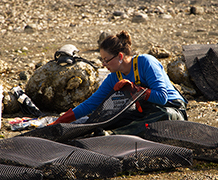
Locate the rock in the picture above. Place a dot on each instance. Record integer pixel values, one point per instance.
(142, 7)
(196, 10)
(159, 10)
(102, 37)
(188, 90)
(178, 72)
(9, 101)
(201, 30)
(172, 11)
(139, 18)
(159, 52)
(103, 73)
(39, 64)
(24, 48)
(23, 75)
(55, 87)
(28, 29)
(118, 13)
(185, 91)
(165, 16)
(213, 33)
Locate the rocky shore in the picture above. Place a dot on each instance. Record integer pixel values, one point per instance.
(31, 31)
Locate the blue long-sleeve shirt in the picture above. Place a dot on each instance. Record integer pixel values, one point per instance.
(152, 75)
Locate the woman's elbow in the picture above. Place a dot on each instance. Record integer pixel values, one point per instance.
(163, 101)
(163, 98)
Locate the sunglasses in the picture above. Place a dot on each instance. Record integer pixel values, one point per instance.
(107, 61)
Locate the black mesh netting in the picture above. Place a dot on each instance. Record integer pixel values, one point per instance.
(202, 64)
(108, 115)
(56, 160)
(136, 153)
(100, 157)
(8, 172)
(201, 138)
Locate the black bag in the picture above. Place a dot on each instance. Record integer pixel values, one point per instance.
(26, 104)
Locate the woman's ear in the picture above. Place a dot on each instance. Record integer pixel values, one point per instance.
(120, 56)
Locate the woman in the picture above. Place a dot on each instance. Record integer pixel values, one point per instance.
(160, 100)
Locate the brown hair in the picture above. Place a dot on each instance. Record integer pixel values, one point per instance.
(118, 43)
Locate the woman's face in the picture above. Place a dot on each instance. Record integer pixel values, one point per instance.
(110, 61)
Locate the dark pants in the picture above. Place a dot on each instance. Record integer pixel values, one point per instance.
(172, 110)
(133, 121)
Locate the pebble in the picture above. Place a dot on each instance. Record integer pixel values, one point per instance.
(139, 18)
(166, 16)
(24, 48)
(28, 29)
(23, 75)
(197, 10)
(118, 13)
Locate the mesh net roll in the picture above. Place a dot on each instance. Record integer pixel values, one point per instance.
(136, 153)
(56, 160)
(201, 138)
(62, 132)
(8, 172)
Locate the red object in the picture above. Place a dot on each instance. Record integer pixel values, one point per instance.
(138, 106)
(147, 93)
(16, 121)
(124, 82)
(147, 126)
(67, 117)
(121, 83)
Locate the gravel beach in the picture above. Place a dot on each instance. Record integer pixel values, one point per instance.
(31, 31)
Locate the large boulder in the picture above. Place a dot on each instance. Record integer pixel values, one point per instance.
(178, 72)
(179, 75)
(56, 87)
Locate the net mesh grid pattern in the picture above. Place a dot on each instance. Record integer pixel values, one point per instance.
(136, 153)
(107, 115)
(57, 160)
(8, 172)
(201, 62)
(200, 138)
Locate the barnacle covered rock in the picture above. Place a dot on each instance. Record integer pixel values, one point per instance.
(178, 72)
(57, 87)
(159, 52)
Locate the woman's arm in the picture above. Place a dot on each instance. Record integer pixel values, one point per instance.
(153, 77)
(89, 105)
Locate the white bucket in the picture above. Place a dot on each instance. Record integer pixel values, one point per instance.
(103, 72)
(1, 97)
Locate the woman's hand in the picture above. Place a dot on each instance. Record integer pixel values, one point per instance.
(134, 88)
(119, 85)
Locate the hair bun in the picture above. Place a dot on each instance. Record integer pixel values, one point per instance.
(114, 44)
(124, 38)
